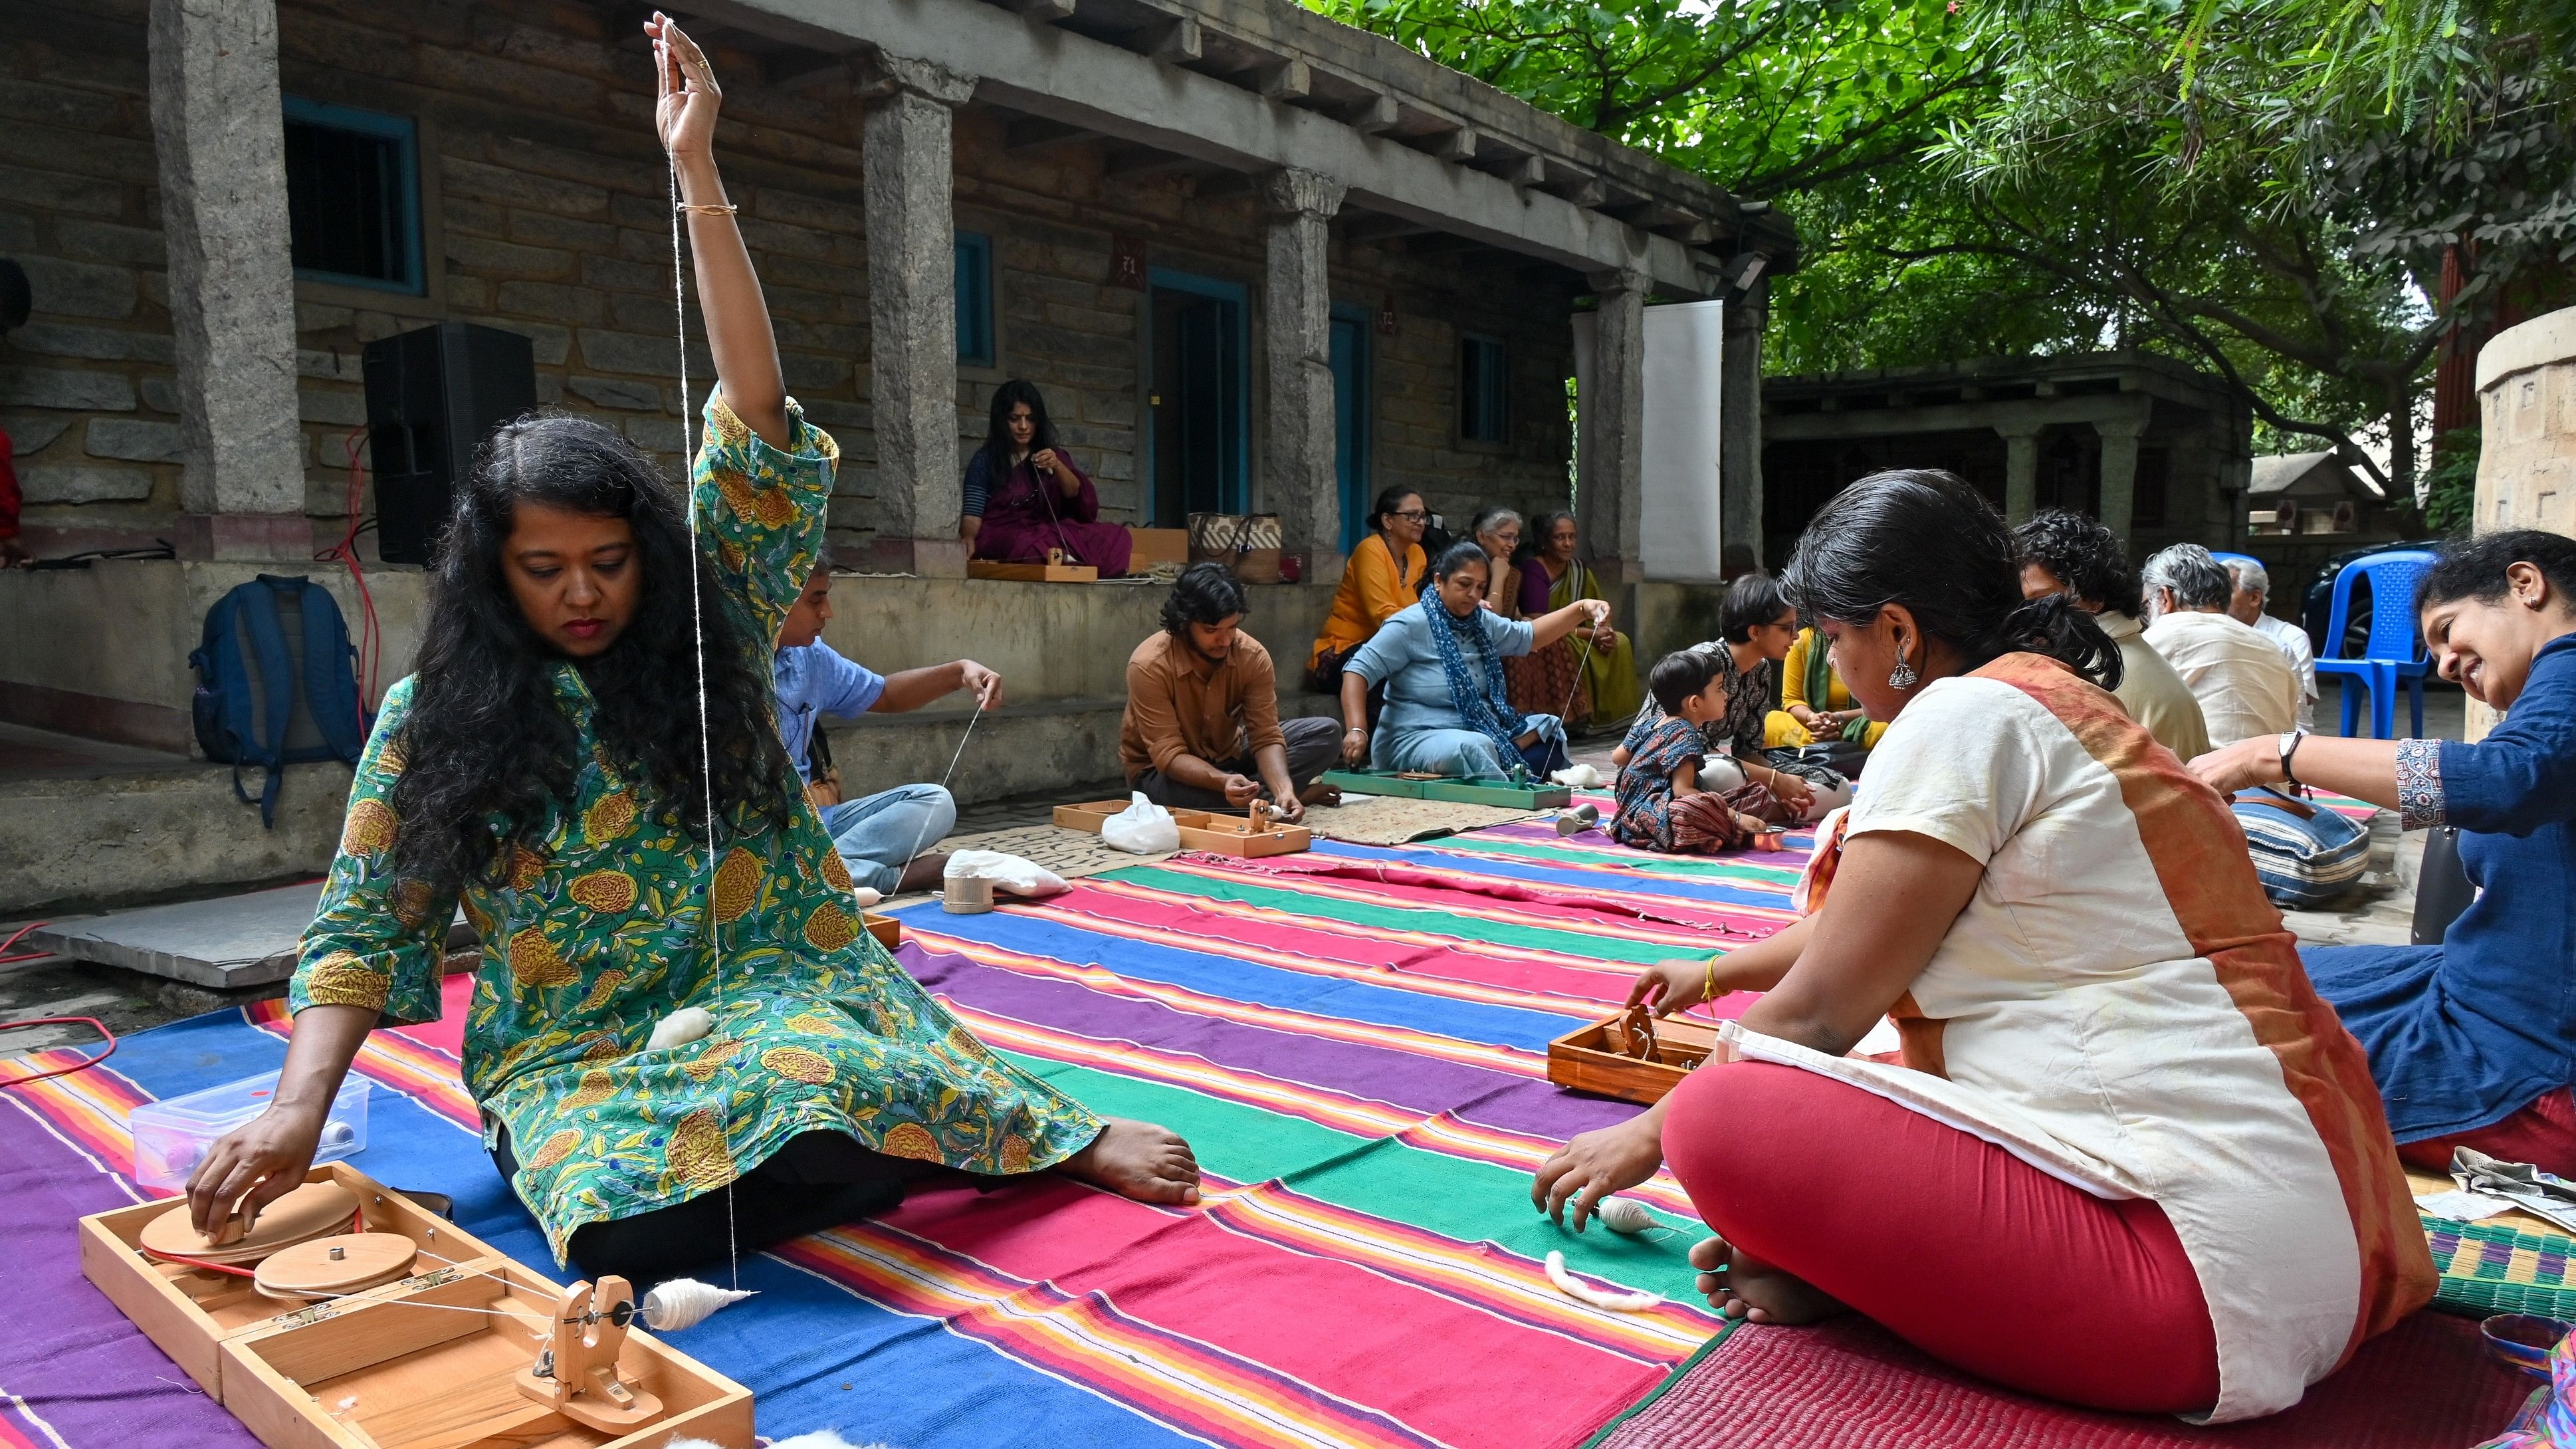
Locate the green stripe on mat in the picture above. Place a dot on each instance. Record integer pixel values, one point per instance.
(2532, 1276)
(1419, 918)
(1456, 1197)
(1724, 1332)
(1683, 865)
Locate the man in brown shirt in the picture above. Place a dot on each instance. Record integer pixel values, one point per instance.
(1202, 730)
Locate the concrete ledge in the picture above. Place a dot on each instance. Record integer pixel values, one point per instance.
(128, 836)
(2548, 338)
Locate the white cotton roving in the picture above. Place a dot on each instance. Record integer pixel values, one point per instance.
(1627, 1301)
(680, 1028)
(686, 1303)
(1625, 1215)
(1581, 777)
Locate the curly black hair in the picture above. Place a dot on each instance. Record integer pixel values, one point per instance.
(1205, 593)
(1923, 538)
(2086, 556)
(2473, 568)
(486, 737)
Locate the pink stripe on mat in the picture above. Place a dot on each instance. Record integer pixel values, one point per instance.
(1848, 1384)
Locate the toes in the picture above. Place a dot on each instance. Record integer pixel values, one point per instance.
(1708, 1253)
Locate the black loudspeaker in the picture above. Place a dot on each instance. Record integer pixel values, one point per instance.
(433, 395)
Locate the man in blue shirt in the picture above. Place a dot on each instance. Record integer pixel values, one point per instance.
(878, 836)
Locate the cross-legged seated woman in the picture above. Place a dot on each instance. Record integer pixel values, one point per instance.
(2473, 1041)
(2130, 1159)
(1441, 660)
(546, 766)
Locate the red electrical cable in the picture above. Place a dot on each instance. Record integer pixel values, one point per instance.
(22, 930)
(370, 641)
(79, 1066)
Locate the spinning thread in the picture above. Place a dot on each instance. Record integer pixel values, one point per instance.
(686, 1303)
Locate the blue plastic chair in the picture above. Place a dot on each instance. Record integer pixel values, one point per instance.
(2394, 649)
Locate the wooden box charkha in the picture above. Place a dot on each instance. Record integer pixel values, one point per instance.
(1250, 838)
(429, 1360)
(1635, 1056)
(1414, 785)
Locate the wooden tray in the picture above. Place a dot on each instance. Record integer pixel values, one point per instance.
(1234, 835)
(1537, 795)
(1613, 1058)
(434, 1378)
(887, 930)
(189, 1312)
(1088, 815)
(1032, 573)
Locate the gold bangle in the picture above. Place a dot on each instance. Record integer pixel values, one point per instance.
(1708, 988)
(710, 208)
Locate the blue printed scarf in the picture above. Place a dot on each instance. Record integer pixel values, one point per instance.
(1483, 702)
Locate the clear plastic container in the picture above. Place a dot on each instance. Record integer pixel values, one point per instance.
(172, 1136)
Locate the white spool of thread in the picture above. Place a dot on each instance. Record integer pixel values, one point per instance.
(1625, 1215)
(686, 1303)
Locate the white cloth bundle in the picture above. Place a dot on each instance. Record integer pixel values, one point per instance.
(1006, 872)
(1143, 828)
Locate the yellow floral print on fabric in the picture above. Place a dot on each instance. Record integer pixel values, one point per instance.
(609, 892)
(556, 1149)
(819, 1028)
(836, 873)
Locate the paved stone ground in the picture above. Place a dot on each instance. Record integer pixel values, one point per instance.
(2379, 912)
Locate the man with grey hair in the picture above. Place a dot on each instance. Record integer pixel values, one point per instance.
(2253, 590)
(2244, 686)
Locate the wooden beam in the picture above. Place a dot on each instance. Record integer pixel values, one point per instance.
(1368, 230)
(806, 72)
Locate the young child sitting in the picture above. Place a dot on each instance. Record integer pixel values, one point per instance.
(1663, 802)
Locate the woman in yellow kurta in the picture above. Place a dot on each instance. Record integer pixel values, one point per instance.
(547, 768)
(1813, 702)
(1383, 576)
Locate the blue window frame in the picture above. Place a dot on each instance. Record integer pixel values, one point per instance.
(1354, 408)
(1198, 448)
(974, 300)
(353, 196)
(1484, 389)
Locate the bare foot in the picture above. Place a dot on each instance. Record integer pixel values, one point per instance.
(1742, 1286)
(1138, 1160)
(923, 873)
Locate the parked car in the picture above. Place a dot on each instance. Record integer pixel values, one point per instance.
(2316, 610)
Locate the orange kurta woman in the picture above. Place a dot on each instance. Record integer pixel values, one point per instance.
(1384, 576)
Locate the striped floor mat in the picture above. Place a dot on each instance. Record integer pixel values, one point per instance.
(1354, 1040)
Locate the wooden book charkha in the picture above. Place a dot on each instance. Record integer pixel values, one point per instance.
(349, 1317)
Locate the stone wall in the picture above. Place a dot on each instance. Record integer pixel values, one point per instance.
(544, 212)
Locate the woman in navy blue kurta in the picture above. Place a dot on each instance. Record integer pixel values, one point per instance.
(2473, 1041)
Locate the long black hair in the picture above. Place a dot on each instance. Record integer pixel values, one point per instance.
(1922, 538)
(486, 737)
(997, 431)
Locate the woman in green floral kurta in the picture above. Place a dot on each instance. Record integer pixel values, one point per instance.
(602, 916)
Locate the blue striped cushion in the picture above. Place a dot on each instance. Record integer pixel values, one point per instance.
(2303, 863)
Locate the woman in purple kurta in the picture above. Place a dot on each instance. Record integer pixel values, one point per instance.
(1035, 498)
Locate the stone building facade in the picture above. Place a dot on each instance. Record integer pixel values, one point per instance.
(181, 382)
(2154, 449)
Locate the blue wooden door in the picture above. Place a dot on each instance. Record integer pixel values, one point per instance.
(1350, 423)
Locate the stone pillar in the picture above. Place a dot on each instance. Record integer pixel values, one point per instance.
(219, 132)
(1610, 469)
(2021, 470)
(2120, 471)
(908, 174)
(1301, 482)
(1739, 437)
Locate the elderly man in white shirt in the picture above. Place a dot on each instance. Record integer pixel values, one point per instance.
(2253, 590)
(2244, 685)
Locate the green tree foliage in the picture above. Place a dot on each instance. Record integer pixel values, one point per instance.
(2262, 188)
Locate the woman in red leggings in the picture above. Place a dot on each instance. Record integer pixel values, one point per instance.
(2128, 1157)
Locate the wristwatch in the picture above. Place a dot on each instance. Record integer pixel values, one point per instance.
(2289, 746)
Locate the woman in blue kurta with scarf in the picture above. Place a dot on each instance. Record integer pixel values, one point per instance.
(2473, 1041)
(1441, 660)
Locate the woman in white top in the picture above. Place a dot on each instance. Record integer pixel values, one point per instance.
(2126, 1157)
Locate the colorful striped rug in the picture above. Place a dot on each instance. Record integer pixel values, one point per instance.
(1354, 1041)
